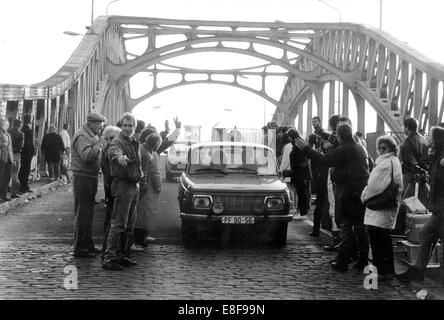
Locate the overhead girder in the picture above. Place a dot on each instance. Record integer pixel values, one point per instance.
(134, 102)
(392, 77)
(154, 56)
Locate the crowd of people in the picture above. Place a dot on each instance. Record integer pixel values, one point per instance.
(354, 189)
(333, 164)
(16, 152)
(128, 156)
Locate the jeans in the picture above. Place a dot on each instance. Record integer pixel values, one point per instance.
(25, 169)
(382, 249)
(5, 176)
(85, 189)
(432, 230)
(109, 200)
(15, 183)
(123, 219)
(54, 169)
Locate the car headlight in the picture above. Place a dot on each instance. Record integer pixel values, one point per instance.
(218, 207)
(202, 202)
(274, 203)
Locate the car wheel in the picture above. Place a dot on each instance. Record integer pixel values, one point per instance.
(280, 234)
(189, 233)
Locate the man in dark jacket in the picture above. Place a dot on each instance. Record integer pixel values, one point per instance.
(351, 173)
(17, 144)
(300, 175)
(85, 164)
(413, 150)
(28, 151)
(125, 167)
(52, 147)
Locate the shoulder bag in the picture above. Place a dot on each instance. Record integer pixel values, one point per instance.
(388, 199)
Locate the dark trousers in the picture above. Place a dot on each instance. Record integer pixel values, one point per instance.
(349, 216)
(25, 169)
(120, 236)
(109, 201)
(382, 250)
(54, 169)
(5, 176)
(85, 189)
(321, 197)
(301, 187)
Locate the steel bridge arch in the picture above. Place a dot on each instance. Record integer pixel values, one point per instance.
(135, 101)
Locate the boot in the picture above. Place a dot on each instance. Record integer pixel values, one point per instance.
(333, 247)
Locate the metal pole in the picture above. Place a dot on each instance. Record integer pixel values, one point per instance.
(380, 14)
(334, 8)
(109, 5)
(92, 12)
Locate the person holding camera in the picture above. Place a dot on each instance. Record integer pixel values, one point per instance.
(351, 173)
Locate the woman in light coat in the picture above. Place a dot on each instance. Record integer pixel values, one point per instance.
(380, 223)
(150, 187)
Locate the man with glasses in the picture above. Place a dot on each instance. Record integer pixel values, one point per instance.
(85, 164)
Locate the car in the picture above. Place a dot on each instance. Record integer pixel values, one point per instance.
(176, 161)
(235, 186)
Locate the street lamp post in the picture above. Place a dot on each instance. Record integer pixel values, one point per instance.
(380, 14)
(92, 13)
(334, 8)
(340, 21)
(107, 6)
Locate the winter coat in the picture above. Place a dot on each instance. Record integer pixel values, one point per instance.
(28, 149)
(85, 153)
(52, 146)
(378, 181)
(435, 203)
(128, 146)
(299, 165)
(148, 204)
(6, 153)
(413, 149)
(350, 162)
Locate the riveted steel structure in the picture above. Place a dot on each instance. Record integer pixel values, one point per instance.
(394, 79)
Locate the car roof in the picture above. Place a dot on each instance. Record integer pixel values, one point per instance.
(229, 144)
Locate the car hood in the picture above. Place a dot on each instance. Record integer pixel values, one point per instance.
(237, 182)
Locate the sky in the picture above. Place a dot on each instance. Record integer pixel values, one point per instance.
(33, 46)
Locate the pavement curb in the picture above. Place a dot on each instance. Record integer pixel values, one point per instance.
(27, 197)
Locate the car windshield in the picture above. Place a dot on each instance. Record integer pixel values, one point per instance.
(255, 160)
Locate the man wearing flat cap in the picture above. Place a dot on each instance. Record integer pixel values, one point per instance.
(85, 164)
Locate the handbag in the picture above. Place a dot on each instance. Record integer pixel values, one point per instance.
(388, 199)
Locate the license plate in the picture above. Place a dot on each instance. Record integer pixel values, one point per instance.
(180, 166)
(237, 220)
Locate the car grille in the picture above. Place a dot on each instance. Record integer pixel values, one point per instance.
(238, 204)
